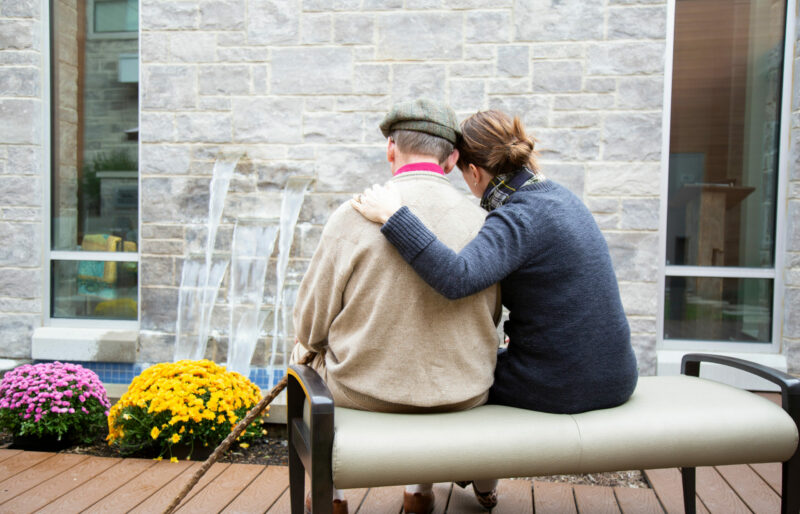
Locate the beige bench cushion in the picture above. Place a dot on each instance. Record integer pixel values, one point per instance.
(668, 422)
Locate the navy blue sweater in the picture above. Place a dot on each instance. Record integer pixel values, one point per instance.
(569, 347)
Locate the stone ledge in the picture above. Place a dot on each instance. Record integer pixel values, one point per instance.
(84, 344)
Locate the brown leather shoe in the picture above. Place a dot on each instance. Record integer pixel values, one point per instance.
(417, 503)
(339, 506)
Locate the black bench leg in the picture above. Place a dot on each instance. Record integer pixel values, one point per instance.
(297, 472)
(689, 500)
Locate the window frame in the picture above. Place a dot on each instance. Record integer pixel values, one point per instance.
(774, 273)
(49, 255)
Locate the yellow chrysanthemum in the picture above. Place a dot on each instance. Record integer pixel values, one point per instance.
(175, 438)
(154, 433)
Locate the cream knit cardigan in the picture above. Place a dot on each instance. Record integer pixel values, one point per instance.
(390, 342)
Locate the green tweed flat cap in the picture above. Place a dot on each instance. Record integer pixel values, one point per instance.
(423, 115)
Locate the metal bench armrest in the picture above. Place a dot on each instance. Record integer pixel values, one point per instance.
(790, 400)
(310, 438)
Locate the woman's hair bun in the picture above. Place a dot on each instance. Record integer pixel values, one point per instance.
(496, 142)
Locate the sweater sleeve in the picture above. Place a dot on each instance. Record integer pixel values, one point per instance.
(499, 248)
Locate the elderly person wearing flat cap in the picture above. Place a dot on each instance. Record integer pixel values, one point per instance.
(386, 341)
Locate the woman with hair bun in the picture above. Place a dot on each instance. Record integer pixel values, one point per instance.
(569, 346)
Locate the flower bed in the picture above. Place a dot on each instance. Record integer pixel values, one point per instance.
(182, 410)
(54, 401)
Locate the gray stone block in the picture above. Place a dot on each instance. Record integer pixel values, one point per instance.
(317, 208)
(193, 46)
(640, 214)
(599, 85)
(645, 348)
(204, 127)
(353, 29)
(569, 144)
(565, 50)
(632, 137)
(249, 54)
(513, 61)
(17, 330)
(223, 79)
(602, 204)
(642, 325)
(607, 221)
(371, 78)
(168, 87)
(509, 86)
(19, 35)
(363, 103)
(22, 244)
(316, 28)
(571, 176)
(793, 226)
(150, 247)
(351, 169)
(471, 69)
(21, 214)
(419, 36)
(583, 102)
(20, 9)
(159, 306)
(634, 254)
(381, 5)
(156, 127)
(20, 121)
(267, 120)
(23, 305)
(156, 346)
(269, 22)
(412, 81)
(24, 160)
(214, 103)
(163, 231)
(332, 128)
(639, 298)
(260, 74)
(557, 76)
(544, 20)
(21, 283)
(467, 95)
(423, 4)
(637, 22)
(640, 92)
(222, 14)
(290, 70)
(154, 47)
(171, 15)
(174, 200)
(477, 4)
(532, 109)
(791, 313)
(562, 119)
(20, 190)
(19, 81)
(632, 179)
(625, 58)
(487, 27)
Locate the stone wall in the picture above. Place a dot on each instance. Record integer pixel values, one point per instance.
(301, 89)
(21, 139)
(791, 301)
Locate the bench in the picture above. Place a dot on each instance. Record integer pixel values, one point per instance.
(670, 421)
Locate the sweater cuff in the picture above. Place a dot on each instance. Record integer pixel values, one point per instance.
(407, 233)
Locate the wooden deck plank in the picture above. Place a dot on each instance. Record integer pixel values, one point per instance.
(463, 500)
(354, 498)
(22, 461)
(751, 488)
(5, 453)
(594, 499)
(135, 491)
(262, 492)
(283, 504)
(57, 486)
(553, 498)
(441, 496)
(772, 473)
(717, 495)
(666, 483)
(383, 500)
(35, 475)
(514, 497)
(221, 491)
(98, 487)
(159, 500)
(633, 500)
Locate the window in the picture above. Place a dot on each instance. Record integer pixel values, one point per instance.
(724, 168)
(94, 152)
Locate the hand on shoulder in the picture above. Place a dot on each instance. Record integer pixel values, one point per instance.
(377, 203)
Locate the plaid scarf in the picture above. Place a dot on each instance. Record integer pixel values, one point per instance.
(503, 186)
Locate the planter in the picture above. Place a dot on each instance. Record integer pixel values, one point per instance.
(40, 444)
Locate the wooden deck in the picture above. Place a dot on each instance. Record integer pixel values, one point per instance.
(64, 483)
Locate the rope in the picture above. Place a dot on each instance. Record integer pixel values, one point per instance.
(235, 433)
